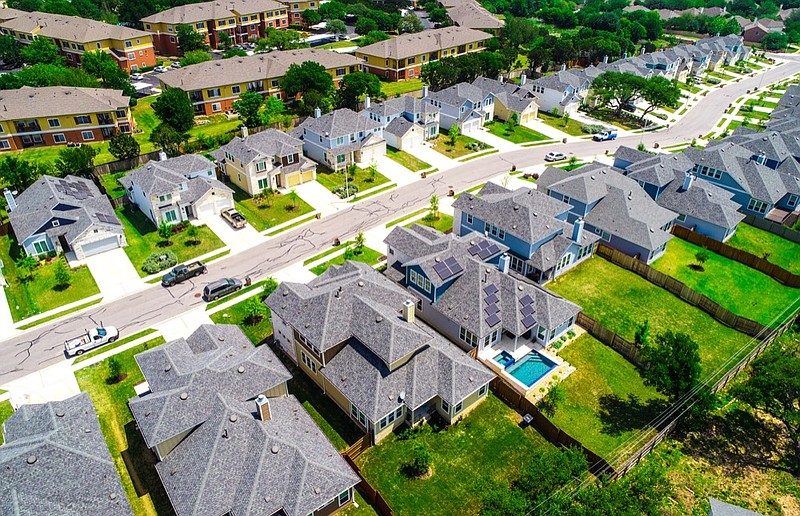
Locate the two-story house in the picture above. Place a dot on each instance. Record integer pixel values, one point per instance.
(355, 333)
(131, 49)
(228, 436)
(561, 92)
(241, 20)
(402, 57)
(341, 138)
(542, 243)
(269, 159)
(510, 99)
(407, 121)
(613, 206)
(730, 49)
(665, 64)
(466, 106)
(64, 215)
(57, 115)
(177, 189)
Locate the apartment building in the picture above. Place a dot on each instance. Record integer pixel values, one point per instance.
(402, 57)
(214, 86)
(132, 49)
(242, 20)
(56, 115)
(297, 8)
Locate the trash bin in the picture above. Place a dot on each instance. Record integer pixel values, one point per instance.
(247, 281)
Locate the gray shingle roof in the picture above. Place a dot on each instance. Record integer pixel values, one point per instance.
(215, 10)
(266, 144)
(474, 16)
(401, 105)
(55, 461)
(161, 177)
(630, 154)
(509, 95)
(340, 122)
(432, 40)
(720, 508)
(459, 94)
(660, 169)
(399, 126)
(703, 200)
(54, 101)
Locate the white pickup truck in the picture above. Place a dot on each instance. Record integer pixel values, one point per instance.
(93, 338)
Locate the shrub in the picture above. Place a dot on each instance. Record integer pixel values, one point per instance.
(662, 116)
(557, 344)
(746, 109)
(411, 433)
(571, 334)
(713, 80)
(157, 262)
(350, 191)
(592, 128)
(421, 460)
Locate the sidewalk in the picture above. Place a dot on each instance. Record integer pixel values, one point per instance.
(396, 172)
(498, 143)
(434, 158)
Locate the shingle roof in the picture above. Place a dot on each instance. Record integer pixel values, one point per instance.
(703, 200)
(71, 28)
(54, 101)
(400, 105)
(509, 95)
(161, 177)
(720, 508)
(660, 169)
(459, 93)
(474, 16)
(340, 122)
(266, 144)
(407, 45)
(192, 13)
(399, 126)
(55, 461)
(630, 154)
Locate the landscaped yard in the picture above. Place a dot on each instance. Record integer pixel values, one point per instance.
(124, 441)
(754, 115)
(112, 185)
(519, 134)
(736, 123)
(390, 89)
(362, 178)
(487, 445)
(621, 301)
(442, 144)
(412, 163)
(443, 222)
(256, 330)
(143, 239)
(777, 250)
(571, 127)
(5, 412)
(606, 399)
(41, 293)
(365, 255)
(735, 286)
(762, 103)
(261, 216)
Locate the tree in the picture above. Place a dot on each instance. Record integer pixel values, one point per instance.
(355, 85)
(293, 197)
(41, 50)
(701, 257)
(233, 52)
(224, 40)
(192, 232)
(270, 286)
(59, 7)
(254, 311)
(131, 11)
(775, 41)
(659, 92)
(114, 369)
(410, 23)
(512, 122)
(62, 275)
(673, 364)
(421, 460)
(189, 39)
(168, 139)
(194, 57)
(174, 108)
(554, 397)
(306, 77)
(359, 242)
(26, 267)
(310, 17)
(438, 15)
(19, 173)
(286, 39)
(77, 161)
(642, 334)
(101, 65)
(10, 53)
(271, 110)
(248, 107)
(373, 36)
(267, 195)
(365, 26)
(165, 230)
(433, 207)
(616, 89)
(453, 134)
(335, 26)
(123, 146)
(333, 10)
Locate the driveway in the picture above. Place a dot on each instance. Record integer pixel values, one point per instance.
(114, 273)
(235, 239)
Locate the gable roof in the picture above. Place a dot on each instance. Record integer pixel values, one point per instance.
(162, 177)
(337, 123)
(270, 143)
(70, 28)
(55, 461)
(432, 40)
(399, 105)
(192, 13)
(460, 93)
(703, 200)
(54, 101)
(720, 508)
(509, 95)
(474, 16)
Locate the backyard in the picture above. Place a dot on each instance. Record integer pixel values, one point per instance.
(396, 88)
(362, 178)
(488, 445)
(777, 250)
(606, 400)
(263, 214)
(733, 285)
(143, 239)
(364, 255)
(442, 145)
(571, 127)
(41, 293)
(409, 161)
(518, 134)
(622, 301)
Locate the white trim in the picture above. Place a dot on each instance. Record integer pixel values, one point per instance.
(63, 130)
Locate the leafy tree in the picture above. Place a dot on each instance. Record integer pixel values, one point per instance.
(19, 173)
(701, 257)
(270, 286)
(775, 41)
(25, 5)
(254, 311)
(410, 23)
(189, 39)
(62, 275)
(132, 11)
(512, 122)
(194, 57)
(10, 53)
(285, 39)
(100, 64)
(271, 110)
(248, 107)
(26, 267)
(433, 207)
(41, 75)
(293, 197)
(616, 89)
(233, 52)
(554, 397)
(192, 232)
(224, 40)
(453, 134)
(310, 17)
(642, 333)
(333, 10)
(549, 471)
(305, 78)
(373, 36)
(673, 364)
(174, 108)
(659, 92)
(114, 369)
(41, 51)
(123, 146)
(365, 26)
(359, 242)
(77, 161)
(335, 26)
(267, 195)
(165, 230)
(438, 15)
(59, 7)
(168, 139)
(421, 460)
(355, 85)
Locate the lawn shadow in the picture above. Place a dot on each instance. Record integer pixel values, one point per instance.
(138, 220)
(619, 415)
(140, 462)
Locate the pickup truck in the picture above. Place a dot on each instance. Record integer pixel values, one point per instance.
(234, 218)
(182, 273)
(93, 338)
(608, 134)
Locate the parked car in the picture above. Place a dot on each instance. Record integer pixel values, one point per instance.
(555, 156)
(608, 134)
(160, 69)
(176, 64)
(221, 288)
(91, 339)
(629, 106)
(234, 218)
(182, 273)
(137, 77)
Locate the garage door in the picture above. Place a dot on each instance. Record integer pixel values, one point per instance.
(209, 209)
(99, 246)
(293, 179)
(308, 176)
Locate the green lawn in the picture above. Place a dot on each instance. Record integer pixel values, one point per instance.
(606, 399)
(442, 144)
(733, 285)
(361, 177)
(720, 75)
(487, 445)
(519, 134)
(5, 412)
(240, 292)
(412, 163)
(325, 253)
(572, 127)
(143, 239)
(41, 293)
(443, 222)
(390, 89)
(621, 301)
(112, 185)
(214, 125)
(777, 250)
(261, 216)
(753, 115)
(685, 87)
(256, 331)
(762, 103)
(366, 255)
(341, 44)
(109, 347)
(110, 400)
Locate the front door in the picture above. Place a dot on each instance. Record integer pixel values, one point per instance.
(62, 241)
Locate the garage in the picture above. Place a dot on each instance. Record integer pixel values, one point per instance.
(292, 179)
(99, 246)
(209, 208)
(308, 176)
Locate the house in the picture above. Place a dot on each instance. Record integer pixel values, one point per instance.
(354, 332)
(131, 49)
(542, 243)
(471, 14)
(613, 207)
(64, 215)
(728, 49)
(785, 14)
(241, 20)
(56, 115)
(466, 106)
(269, 159)
(55, 461)
(695, 61)
(510, 99)
(341, 138)
(407, 121)
(561, 92)
(228, 437)
(452, 275)
(213, 86)
(402, 57)
(666, 64)
(755, 31)
(177, 189)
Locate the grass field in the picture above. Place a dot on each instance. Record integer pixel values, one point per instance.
(261, 216)
(5, 412)
(753, 115)
(572, 127)
(733, 285)
(762, 103)
(412, 163)
(443, 222)
(366, 255)
(256, 331)
(621, 301)
(519, 134)
(390, 89)
(442, 145)
(362, 178)
(777, 250)
(112, 185)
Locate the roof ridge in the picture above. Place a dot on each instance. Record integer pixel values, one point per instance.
(210, 456)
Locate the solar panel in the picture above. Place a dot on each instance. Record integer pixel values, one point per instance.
(526, 300)
(473, 250)
(484, 254)
(492, 320)
(453, 265)
(491, 289)
(493, 249)
(491, 309)
(528, 321)
(442, 270)
(491, 299)
(527, 310)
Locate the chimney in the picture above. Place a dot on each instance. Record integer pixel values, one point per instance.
(162, 156)
(367, 102)
(503, 264)
(245, 131)
(425, 91)
(642, 52)
(625, 55)
(563, 67)
(761, 158)
(605, 59)
(262, 404)
(12, 203)
(408, 310)
(317, 112)
(523, 79)
(688, 181)
(577, 230)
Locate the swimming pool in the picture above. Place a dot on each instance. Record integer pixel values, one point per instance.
(530, 368)
(504, 358)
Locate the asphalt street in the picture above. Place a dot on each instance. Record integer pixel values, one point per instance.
(43, 345)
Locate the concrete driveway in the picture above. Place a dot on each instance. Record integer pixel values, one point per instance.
(236, 239)
(114, 273)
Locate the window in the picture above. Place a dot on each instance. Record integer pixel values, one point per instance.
(87, 135)
(792, 200)
(458, 407)
(340, 72)
(236, 89)
(40, 247)
(216, 107)
(358, 415)
(290, 159)
(494, 231)
(445, 406)
(757, 206)
(53, 122)
(340, 158)
(128, 44)
(681, 217)
(263, 183)
(132, 56)
(565, 198)
(308, 362)
(201, 25)
(167, 197)
(172, 39)
(420, 281)
(482, 390)
(59, 138)
(170, 216)
(707, 171)
(344, 497)
(411, 60)
(468, 337)
(121, 113)
(274, 83)
(56, 223)
(411, 73)
(83, 119)
(213, 92)
(391, 418)
(147, 26)
(4, 144)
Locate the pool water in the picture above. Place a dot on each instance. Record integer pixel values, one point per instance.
(504, 358)
(530, 368)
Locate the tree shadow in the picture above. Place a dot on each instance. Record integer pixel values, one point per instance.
(61, 288)
(619, 415)
(140, 462)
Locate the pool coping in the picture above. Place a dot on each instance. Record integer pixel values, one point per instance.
(557, 373)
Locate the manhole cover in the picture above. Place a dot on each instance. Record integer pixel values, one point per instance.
(198, 294)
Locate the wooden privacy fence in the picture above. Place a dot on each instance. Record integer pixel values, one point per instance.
(773, 227)
(775, 272)
(691, 296)
(124, 164)
(625, 348)
(369, 493)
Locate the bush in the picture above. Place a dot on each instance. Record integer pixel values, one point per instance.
(713, 80)
(411, 433)
(746, 109)
(571, 334)
(343, 194)
(421, 460)
(662, 116)
(592, 128)
(157, 262)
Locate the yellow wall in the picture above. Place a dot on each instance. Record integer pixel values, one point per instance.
(402, 63)
(311, 374)
(68, 121)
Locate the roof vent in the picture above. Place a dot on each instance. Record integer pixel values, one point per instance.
(221, 339)
(31, 459)
(378, 318)
(233, 418)
(241, 369)
(60, 413)
(402, 395)
(317, 490)
(274, 449)
(437, 259)
(184, 396)
(516, 207)
(168, 368)
(519, 287)
(87, 430)
(112, 496)
(267, 499)
(360, 283)
(285, 293)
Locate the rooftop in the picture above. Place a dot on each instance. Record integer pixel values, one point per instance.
(54, 101)
(70, 28)
(192, 13)
(432, 40)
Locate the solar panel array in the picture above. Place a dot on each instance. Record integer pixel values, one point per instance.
(448, 268)
(491, 309)
(76, 190)
(484, 249)
(527, 311)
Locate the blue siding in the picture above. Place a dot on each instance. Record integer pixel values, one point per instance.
(704, 228)
(415, 287)
(516, 245)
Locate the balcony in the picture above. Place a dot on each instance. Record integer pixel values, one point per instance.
(104, 119)
(28, 126)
